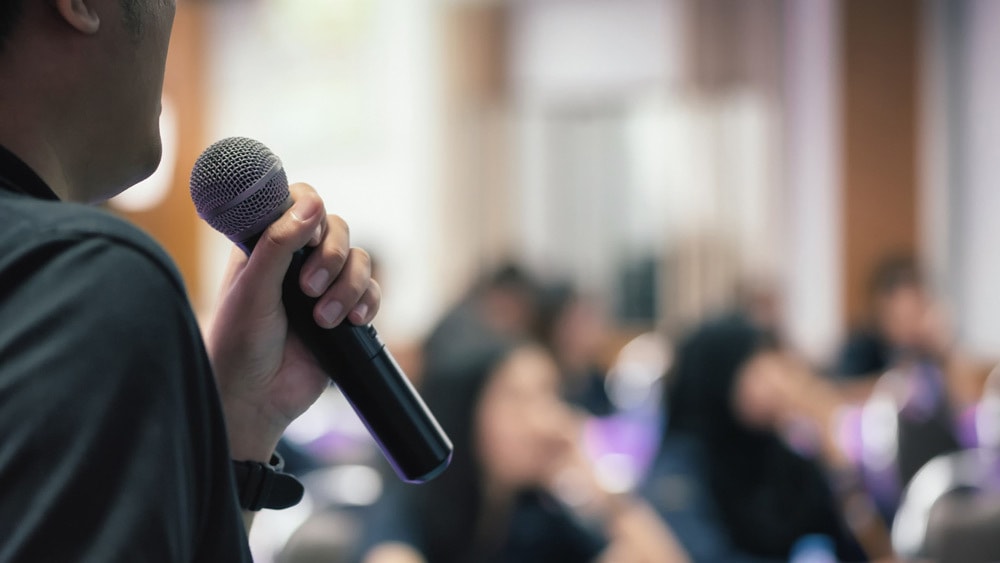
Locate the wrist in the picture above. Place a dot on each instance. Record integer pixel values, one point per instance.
(253, 434)
(265, 485)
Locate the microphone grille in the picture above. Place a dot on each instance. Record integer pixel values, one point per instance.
(239, 187)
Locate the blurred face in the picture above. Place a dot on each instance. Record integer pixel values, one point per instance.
(757, 392)
(522, 427)
(901, 315)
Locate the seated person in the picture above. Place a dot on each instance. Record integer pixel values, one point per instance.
(725, 481)
(499, 402)
(574, 330)
(906, 326)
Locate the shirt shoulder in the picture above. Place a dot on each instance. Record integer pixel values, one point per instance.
(75, 281)
(101, 360)
(29, 225)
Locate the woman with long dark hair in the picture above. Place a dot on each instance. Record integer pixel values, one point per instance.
(749, 496)
(499, 402)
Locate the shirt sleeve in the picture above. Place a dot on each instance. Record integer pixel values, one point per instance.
(113, 446)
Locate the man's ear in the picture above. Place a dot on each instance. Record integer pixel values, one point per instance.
(80, 14)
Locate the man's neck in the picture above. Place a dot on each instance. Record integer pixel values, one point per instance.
(43, 161)
(38, 120)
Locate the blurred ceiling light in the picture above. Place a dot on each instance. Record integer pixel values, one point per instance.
(151, 192)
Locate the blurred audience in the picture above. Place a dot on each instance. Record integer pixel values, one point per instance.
(904, 324)
(898, 305)
(951, 508)
(574, 329)
(906, 358)
(760, 459)
(725, 481)
(514, 440)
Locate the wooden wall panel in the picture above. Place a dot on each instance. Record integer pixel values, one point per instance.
(880, 126)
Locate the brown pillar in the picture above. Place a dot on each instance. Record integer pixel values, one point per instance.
(879, 42)
(475, 199)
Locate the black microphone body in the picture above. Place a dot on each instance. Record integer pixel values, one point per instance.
(352, 355)
(367, 374)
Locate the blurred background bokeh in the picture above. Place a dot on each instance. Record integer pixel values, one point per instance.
(654, 162)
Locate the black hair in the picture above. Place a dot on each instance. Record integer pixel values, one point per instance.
(508, 277)
(135, 14)
(552, 303)
(767, 496)
(11, 12)
(10, 15)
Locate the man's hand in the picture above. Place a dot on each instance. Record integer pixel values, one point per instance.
(266, 376)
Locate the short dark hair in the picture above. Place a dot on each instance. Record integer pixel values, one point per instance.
(10, 14)
(133, 16)
(11, 11)
(895, 272)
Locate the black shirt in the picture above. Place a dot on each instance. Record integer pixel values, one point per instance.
(865, 354)
(112, 439)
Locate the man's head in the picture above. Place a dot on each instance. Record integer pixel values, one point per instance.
(900, 301)
(82, 86)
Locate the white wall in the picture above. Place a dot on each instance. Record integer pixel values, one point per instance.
(812, 265)
(961, 195)
(585, 49)
(344, 93)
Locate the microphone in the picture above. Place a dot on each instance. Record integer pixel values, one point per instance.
(239, 187)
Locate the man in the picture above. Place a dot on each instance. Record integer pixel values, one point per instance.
(115, 440)
(900, 324)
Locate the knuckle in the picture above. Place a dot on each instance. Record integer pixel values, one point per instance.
(312, 195)
(338, 256)
(357, 288)
(338, 222)
(362, 256)
(273, 238)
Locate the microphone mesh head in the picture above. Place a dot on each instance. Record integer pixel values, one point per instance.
(239, 187)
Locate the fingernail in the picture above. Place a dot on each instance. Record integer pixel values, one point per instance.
(316, 282)
(304, 209)
(317, 235)
(360, 312)
(330, 312)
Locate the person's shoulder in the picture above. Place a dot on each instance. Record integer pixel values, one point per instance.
(863, 336)
(864, 352)
(87, 299)
(36, 227)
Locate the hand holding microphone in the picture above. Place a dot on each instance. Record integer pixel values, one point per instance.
(271, 343)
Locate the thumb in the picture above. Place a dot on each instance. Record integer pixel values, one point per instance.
(269, 261)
